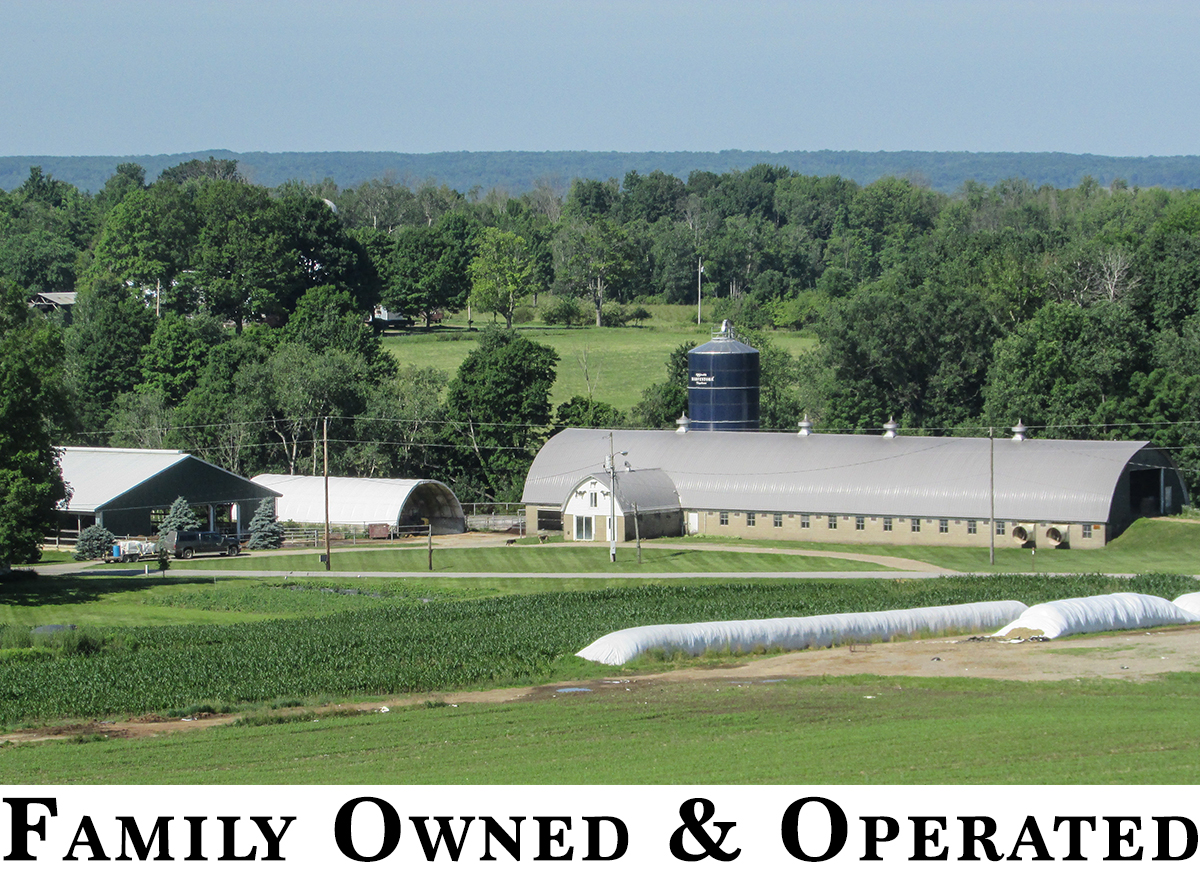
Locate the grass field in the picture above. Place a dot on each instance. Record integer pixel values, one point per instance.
(621, 361)
(533, 559)
(249, 644)
(858, 730)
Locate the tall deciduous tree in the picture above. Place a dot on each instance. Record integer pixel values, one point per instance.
(501, 273)
(499, 406)
(31, 483)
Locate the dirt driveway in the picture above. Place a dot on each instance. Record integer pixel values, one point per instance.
(1131, 655)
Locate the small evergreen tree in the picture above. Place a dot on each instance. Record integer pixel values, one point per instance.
(179, 517)
(265, 531)
(94, 543)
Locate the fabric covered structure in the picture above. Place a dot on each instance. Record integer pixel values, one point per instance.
(126, 489)
(792, 634)
(360, 502)
(847, 488)
(1096, 614)
(1189, 602)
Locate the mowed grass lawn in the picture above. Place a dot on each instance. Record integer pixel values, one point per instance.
(857, 730)
(621, 361)
(1149, 545)
(538, 558)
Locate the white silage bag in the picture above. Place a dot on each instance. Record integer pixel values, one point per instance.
(1095, 614)
(791, 634)
(1189, 602)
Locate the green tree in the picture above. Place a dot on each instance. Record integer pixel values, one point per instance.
(498, 404)
(31, 484)
(109, 329)
(501, 273)
(594, 259)
(177, 352)
(94, 543)
(265, 531)
(663, 402)
(179, 517)
(589, 413)
(148, 239)
(243, 265)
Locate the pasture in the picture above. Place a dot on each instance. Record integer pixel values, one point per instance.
(617, 362)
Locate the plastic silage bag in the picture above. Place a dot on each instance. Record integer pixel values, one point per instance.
(1189, 602)
(1095, 614)
(790, 634)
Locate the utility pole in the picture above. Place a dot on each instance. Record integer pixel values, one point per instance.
(325, 444)
(699, 273)
(611, 464)
(992, 496)
(612, 501)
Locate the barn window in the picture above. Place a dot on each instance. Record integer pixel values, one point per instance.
(887, 525)
(1087, 531)
(805, 523)
(750, 519)
(833, 522)
(778, 519)
(971, 530)
(999, 528)
(592, 499)
(943, 526)
(724, 519)
(860, 523)
(915, 525)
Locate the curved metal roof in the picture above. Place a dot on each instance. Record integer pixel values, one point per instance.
(357, 501)
(651, 490)
(908, 476)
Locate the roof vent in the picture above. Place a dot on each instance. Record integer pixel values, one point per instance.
(1019, 432)
(683, 422)
(806, 427)
(889, 429)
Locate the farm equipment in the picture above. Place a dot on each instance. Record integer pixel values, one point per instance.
(131, 551)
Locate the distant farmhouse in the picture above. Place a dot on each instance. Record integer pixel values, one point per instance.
(716, 475)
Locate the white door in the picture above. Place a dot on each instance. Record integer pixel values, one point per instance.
(608, 529)
(693, 523)
(583, 528)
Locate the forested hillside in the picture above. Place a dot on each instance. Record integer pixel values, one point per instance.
(227, 318)
(517, 172)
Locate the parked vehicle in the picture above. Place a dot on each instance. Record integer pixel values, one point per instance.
(188, 543)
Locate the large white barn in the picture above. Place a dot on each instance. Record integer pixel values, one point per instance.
(850, 488)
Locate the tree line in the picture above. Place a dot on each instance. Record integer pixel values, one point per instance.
(226, 318)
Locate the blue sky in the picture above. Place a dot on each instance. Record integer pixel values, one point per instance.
(141, 77)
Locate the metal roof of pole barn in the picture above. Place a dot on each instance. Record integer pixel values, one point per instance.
(101, 479)
(364, 501)
(927, 476)
(651, 490)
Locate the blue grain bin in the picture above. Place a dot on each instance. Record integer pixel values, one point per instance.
(723, 384)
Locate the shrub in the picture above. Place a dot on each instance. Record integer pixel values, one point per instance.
(613, 315)
(565, 311)
(94, 543)
(639, 314)
(522, 315)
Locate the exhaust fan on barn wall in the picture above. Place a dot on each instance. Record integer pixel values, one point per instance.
(1058, 536)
